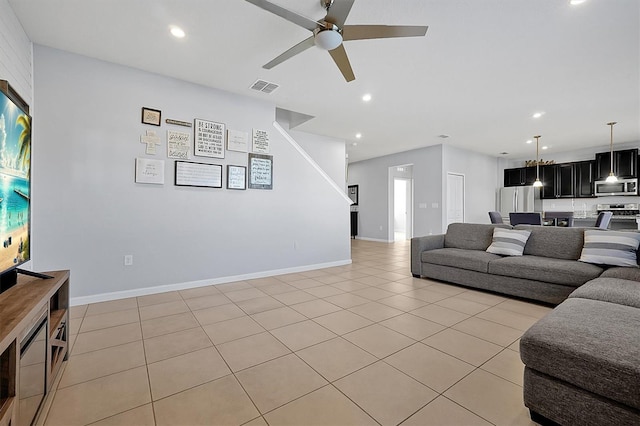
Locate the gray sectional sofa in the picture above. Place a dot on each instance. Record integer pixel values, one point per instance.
(548, 272)
(582, 360)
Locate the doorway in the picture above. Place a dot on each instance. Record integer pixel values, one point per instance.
(455, 198)
(400, 208)
(400, 203)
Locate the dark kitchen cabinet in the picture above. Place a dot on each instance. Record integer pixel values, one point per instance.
(519, 176)
(558, 181)
(513, 177)
(565, 180)
(548, 178)
(584, 175)
(625, 164)
(529, 175)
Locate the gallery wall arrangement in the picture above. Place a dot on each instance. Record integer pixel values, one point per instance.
(211, 140)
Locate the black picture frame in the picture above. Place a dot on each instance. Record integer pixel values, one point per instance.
(189, 173)
(352, 192)
(236, 177)
(151, 116)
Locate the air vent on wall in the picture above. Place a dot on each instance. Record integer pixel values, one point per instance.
(264, 86)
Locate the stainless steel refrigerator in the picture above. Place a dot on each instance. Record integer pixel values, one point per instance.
(519, 199)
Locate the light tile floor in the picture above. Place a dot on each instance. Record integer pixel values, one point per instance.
(362, 344)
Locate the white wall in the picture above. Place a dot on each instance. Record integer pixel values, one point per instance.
(481, 182)
(372, 176)
(430, 167)
(91, 213)
(324, 151)
(15, 53)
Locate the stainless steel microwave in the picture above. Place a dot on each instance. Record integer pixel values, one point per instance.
(621, 187)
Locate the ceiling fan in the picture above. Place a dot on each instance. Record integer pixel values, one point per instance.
(330, 32)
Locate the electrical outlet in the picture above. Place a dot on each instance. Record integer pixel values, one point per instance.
(128, 259)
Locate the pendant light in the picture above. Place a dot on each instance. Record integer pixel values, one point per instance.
(612, 177)
(537, 183)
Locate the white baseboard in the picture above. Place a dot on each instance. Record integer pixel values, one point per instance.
(105, 297)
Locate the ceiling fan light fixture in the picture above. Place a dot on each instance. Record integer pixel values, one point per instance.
(328, 39)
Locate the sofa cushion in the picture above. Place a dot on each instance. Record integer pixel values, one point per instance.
(610, 248)
(473, 260)
(555, 242)
(591, 344)
(622, 272)
(613, 290)
(470, 236)
(557, 271)
(508, 242)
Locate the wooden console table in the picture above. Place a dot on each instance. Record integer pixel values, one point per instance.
(24, 309)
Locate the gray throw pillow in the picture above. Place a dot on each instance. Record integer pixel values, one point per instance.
(508, 242)
(610, 248)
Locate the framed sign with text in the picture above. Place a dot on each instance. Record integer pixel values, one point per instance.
(260, 171)
(208, 139)
(236, 177)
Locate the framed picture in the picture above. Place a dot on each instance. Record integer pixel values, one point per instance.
(151, 116)
(198, 174)
(260, 171)
(149, 171)
(208, 139)
(236, 177)
(352, 192)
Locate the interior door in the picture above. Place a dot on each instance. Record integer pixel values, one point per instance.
(455, 198)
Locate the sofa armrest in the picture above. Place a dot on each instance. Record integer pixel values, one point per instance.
(420, 244)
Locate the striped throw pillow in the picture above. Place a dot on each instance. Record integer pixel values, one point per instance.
(610, 248)
(508, 242)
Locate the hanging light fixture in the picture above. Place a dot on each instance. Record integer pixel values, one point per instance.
(537, 183)
(612, 177)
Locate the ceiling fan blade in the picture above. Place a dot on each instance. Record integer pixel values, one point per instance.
(364, 32)
(338, 12)
(339, 56)
(290, 16)
(298, 48)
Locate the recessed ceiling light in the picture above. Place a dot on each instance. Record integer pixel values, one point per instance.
(358, 135)
(177, 32)
(544, 147)
(538, 114)
(366, 97)
(529, 141)
(354, 144)
(576, 2)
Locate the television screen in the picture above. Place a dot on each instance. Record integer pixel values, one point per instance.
(15, 187)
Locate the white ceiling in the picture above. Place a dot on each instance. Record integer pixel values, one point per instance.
(483, 69)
